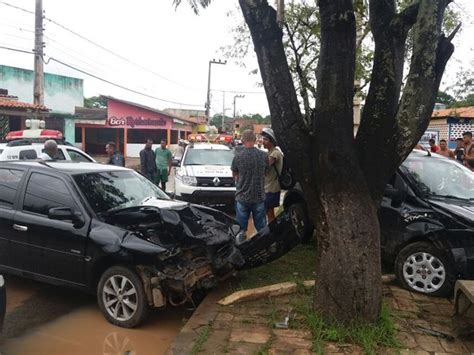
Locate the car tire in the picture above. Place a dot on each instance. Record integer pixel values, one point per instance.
(423, 268)
(121, 297)
(300, 221)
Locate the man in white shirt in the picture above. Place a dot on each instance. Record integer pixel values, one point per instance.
(50, 150)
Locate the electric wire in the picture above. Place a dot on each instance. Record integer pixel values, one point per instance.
(101, 79)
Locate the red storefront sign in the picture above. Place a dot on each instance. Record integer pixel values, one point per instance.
(136, 122)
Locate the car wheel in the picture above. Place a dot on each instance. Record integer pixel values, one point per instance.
(425, 269)
(121, 297)
(300, 221)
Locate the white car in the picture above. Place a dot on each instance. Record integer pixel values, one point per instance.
(26, 150)
(204, 175)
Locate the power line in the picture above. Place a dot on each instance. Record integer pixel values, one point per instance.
(102, 79)
(239, 92)
(120, 86)
(17, 7)
(102, 47)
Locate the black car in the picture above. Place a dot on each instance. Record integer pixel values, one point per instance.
(111, 231)
(426, 220)
(3, 301)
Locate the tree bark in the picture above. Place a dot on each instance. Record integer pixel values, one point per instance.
(348, 256)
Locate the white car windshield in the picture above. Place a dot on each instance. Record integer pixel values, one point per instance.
(209, 157)
(111, 191)
(441, 177)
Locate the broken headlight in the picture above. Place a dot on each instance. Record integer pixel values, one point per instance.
(189, 180)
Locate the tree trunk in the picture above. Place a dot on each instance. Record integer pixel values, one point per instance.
(348, 245)
(348, 258)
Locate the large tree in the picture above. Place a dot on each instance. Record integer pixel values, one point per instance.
(343, 176)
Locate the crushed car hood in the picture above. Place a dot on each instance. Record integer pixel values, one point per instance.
(463, 210)
(168, 223)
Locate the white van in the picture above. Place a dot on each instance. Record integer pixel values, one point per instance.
(24, 149)
(204, 175)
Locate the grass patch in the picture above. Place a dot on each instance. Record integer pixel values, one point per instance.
(372, 338)
(297, 265)
(201, 340)
(263, 350)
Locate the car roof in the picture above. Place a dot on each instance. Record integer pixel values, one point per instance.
(66, 166)
(208, 146)
(35, 144)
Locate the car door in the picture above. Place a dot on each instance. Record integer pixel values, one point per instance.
(56, 248)
(10, 180)
(74, 155)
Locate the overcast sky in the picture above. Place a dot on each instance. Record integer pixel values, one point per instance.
(174, 46)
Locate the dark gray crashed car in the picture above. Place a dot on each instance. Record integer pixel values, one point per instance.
(110, 231)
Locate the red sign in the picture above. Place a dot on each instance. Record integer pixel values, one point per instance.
(133, 122)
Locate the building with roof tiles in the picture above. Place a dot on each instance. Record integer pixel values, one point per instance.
(450, 124)
(14, 113)
(61, 95)
(128, 124)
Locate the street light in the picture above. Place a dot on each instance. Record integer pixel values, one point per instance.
(208, 101)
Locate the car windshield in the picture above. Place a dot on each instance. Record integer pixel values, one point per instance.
(114, 190)
(442, 178)
(209, 157)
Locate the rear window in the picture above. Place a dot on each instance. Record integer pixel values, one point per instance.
(9, 182)
(28, 154)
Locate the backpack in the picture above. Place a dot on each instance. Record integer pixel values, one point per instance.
(285, 177)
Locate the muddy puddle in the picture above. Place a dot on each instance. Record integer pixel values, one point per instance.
(85, 331)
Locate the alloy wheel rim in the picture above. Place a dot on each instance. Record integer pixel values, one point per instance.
(119, 296)
(297, 221)
(424, 272)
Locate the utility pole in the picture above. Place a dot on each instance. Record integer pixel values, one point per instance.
(237, 97)
(208, 101)
(38, 90)
(223, 112)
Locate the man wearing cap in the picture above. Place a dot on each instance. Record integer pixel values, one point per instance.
(275, 162)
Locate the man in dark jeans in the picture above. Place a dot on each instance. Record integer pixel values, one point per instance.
(147, 161)
(248, 168)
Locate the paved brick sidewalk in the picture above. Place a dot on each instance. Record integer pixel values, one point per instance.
(425, 326)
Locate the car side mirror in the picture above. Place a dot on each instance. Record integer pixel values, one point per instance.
(171, 195)
(66, 214)
(395, 194)
(175, 162)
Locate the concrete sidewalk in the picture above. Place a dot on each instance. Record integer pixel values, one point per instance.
(425, 325)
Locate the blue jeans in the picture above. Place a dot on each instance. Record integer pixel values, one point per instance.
(243, 210)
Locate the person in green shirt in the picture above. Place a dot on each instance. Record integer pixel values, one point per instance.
(163, 158)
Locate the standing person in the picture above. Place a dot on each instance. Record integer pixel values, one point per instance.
(433, 147)
(147, 161)
(50, 150)
(115, 158)
(163, 159)
(275, 162)
(468, 157)
(248, 169)
(443, 149)
(179, 152)
(459, 151)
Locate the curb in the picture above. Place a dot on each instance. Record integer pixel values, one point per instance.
(204, 315)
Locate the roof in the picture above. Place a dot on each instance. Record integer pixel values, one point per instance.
(257, 128)
(67, 166)
(148, 108)
(461, 112)
(8, 103)
(86, 113)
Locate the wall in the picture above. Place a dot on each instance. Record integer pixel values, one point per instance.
(61, 93)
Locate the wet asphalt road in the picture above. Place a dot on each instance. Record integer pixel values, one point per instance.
(44, 319)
